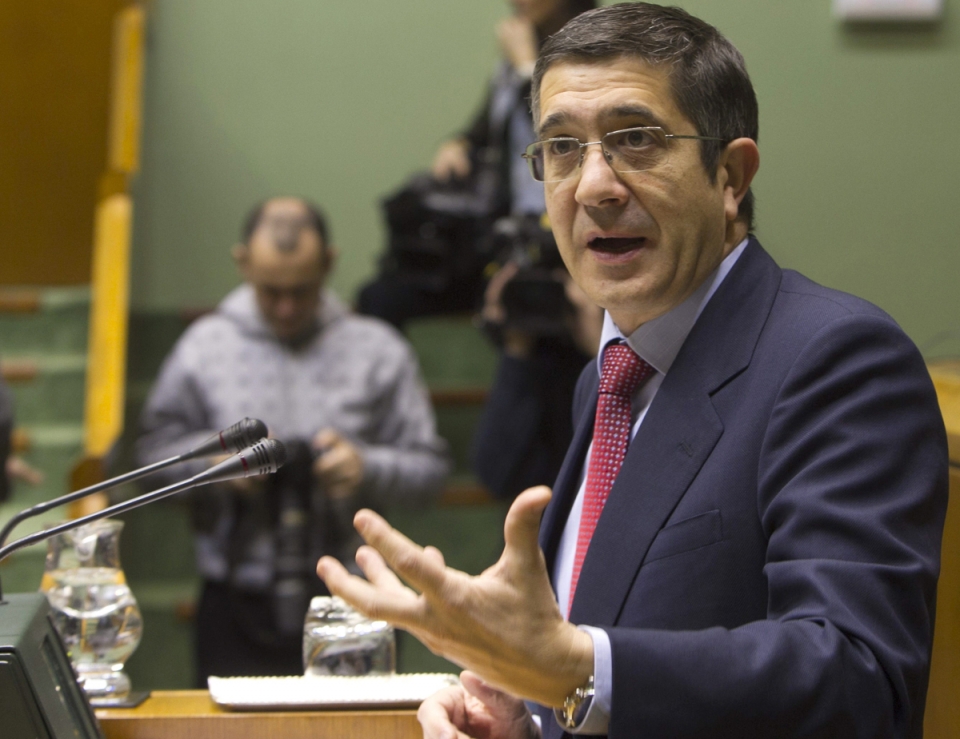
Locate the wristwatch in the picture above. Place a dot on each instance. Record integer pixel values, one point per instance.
(575, 706)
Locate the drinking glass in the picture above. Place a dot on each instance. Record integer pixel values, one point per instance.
(337, 640)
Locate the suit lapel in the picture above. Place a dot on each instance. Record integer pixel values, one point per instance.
(678, 434)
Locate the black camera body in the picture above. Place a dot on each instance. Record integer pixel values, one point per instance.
(437, 230)
(535, 299)
(291, 496)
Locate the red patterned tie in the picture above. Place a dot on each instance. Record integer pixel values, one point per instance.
(623, 372)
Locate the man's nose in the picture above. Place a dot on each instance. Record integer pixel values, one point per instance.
(599, 184)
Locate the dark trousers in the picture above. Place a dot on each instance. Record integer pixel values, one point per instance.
(236, 636)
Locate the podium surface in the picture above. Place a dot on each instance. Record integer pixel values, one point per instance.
(192, 714)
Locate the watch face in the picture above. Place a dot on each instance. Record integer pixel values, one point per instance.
(575, 706)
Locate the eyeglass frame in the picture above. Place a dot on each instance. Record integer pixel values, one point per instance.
(606, 154)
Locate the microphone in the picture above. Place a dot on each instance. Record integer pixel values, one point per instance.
(262, 458)
(231, 440)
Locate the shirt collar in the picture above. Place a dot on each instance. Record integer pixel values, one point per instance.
(658, 342)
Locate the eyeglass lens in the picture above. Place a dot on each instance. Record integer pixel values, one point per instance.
(630, 150)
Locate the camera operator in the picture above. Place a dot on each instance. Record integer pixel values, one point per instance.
(547, 330)
(486, 156)
(342, 391)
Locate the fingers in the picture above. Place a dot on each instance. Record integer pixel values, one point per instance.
(339, 466)
(424, 571)
(324, 439)
(376, 570)
(436, 555)
(451, 160)
(441, 713)
(522, 526)
(18, 469)
(388, 599)
(500, 705)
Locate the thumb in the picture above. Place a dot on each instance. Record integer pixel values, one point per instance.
(522, 526)
(499, 704)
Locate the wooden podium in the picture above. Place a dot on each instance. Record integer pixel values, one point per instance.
(192, 714)
(942, 718)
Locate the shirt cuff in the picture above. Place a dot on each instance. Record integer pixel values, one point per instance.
(597, 720)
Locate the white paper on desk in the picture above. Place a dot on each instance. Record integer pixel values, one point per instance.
(326, 692)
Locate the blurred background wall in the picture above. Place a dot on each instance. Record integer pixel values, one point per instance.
(340, 101)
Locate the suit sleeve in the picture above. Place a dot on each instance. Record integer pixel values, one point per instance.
(851, 495)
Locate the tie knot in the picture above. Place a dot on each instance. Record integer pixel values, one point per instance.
(623, 370)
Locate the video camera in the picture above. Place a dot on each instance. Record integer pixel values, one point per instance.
(535, 299)
(437, 229)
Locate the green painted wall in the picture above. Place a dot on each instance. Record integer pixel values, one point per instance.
(341, 100)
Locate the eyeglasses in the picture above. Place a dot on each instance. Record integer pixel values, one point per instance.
(628, 150)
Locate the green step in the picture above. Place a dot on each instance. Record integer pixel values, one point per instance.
(456, 424)
(452, 352)
(60, 324)
(55, 394)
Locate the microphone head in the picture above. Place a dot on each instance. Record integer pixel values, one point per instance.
(262, 458)
(242, 434)
(267, 456)
(231, 440)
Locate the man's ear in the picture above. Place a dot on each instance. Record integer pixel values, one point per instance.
(330, 254)
(738, 165)
(241, 257)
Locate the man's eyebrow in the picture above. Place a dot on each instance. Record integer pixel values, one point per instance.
(553, 121)
(634, 111)
(642, 112)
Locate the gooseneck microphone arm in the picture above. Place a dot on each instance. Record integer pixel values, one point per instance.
(229, 441)
(262, 458)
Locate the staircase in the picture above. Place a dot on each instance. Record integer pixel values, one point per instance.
(43, 338)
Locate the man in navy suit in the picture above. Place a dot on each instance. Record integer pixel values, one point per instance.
(765, 561)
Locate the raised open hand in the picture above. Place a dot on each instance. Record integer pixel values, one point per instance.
(503, 624)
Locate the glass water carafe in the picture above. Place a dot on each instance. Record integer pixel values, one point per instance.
(337, 640)
(93, 609)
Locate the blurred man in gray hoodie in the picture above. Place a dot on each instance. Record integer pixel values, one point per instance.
(343, 391)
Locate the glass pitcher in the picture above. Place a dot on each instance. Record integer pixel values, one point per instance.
(93, 609)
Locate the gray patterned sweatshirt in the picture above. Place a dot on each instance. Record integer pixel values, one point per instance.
(356, 375)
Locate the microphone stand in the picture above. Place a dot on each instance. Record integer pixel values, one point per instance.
(46, 505)
(106, 512)
(235, 438)
(264, 457)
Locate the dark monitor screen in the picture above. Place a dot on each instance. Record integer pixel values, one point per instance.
(39, 693)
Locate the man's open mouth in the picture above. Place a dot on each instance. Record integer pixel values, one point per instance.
(616, 245)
